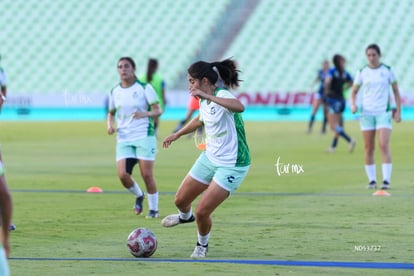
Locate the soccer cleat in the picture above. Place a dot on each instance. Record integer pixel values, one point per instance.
(12, 227)
(153, 214)
(385, 185)
(352, 145)
(372, 185)
(200, 251)
(138, 205)
(173, 220)
(330, 150)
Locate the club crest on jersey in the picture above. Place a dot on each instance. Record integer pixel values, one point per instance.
(212, 110)
(135, 94)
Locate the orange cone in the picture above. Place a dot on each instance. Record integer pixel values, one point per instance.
(381, 193)
(94, 190)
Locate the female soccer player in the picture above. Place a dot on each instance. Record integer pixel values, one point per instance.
(154, 78)
(335, 81)
(320, 97)
(222, 167)
(135, 104)
(5, 219)
(375, 80)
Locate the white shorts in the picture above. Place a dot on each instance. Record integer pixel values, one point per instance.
(228, 178)
(373, 122)
(143, 149)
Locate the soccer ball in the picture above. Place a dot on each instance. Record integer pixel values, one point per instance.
(142, 242)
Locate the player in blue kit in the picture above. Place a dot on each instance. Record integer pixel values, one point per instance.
(222, 167)
(134, 105)
(335, 81)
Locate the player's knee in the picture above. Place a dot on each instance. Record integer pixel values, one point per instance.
(384, 148)
(179, 202)
(124, 176)
(369, 149)
(147, 176)
(201, 214)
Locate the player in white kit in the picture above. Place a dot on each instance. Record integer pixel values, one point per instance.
(374, 80)
(135, 105)
(5, 220)
(224, 164)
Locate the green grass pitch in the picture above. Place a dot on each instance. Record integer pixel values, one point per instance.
(315, 208)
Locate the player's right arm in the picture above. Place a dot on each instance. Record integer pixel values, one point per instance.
(110, 122)
(354, 92)
(355, 89)
(110, 117)
(188, 128)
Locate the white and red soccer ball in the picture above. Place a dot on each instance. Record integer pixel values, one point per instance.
(142, 242)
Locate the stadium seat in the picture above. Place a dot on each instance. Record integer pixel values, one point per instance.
(55, 46)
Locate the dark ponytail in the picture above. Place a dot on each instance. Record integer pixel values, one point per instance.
(337, 59)
(225, 69)
(151, 68)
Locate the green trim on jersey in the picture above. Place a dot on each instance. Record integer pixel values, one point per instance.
(389, 98)
(389, 68)
(143, 84)
(363, 67)
(386, 66)
(243, 153)
(151, 125)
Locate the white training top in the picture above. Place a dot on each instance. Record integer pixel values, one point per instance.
(375, 85)
(225, 136)
(127, 100)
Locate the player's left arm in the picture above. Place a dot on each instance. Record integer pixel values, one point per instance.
(155, 111)
(397, 112)
(232, 104)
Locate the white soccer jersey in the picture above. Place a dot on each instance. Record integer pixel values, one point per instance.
(127, 100)
(375, 87)
(225, 136)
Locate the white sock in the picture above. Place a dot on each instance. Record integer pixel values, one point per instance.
(153, 201)
(187, 215)
(371, 172)
(203, 240)
(386, 172)
(136, 190)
